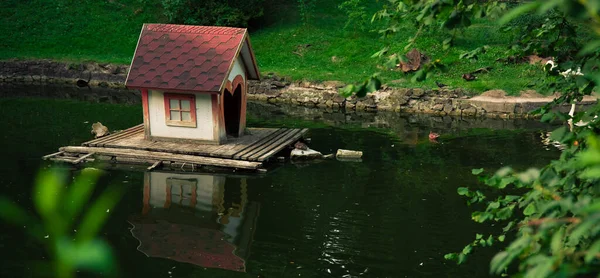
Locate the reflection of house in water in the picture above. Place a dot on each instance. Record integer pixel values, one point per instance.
(201, 219)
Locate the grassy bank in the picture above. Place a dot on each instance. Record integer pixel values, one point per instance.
(317, 49)
(84, 30)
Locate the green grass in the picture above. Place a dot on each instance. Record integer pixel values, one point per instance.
(345, 55)
(107, 31)
(98, 30)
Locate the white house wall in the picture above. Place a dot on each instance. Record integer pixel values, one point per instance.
(238, 69)
(208, 188)
(159, 128)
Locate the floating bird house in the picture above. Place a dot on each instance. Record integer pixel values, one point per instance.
(206, 220)
(193, 81)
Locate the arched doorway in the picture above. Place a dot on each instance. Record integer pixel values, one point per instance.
(232, 106)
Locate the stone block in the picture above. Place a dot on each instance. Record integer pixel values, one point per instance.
(438, 107)
(471, 111)
(307, 154)
(417, 93)
(339, 99)
(448, 107)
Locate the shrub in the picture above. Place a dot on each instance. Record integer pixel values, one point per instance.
(357, 14)
(212, 12)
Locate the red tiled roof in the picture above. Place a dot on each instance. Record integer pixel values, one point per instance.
(188, 244)
(184, 57)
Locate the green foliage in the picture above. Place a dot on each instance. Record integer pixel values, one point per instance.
(473, 55)
(551, 36)
(235, 13)
(370, 85)
(538, 29)
(444, 18)
(357, 15)
(450, 15)
(551, 214)
(71, 239)
(558, 224)
(306, 9)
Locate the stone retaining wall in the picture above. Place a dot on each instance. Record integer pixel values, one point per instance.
(399, 124)
(60, 91)
(442, 102)
(51, 72)
(438, 102)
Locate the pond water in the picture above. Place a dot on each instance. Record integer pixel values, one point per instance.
(395, 214)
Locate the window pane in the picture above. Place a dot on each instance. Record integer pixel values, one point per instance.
(185, 105)
(186, 116)
(175, 116)
(174, 103)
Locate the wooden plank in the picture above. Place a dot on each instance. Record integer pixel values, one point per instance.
(259, 144)
(124, 134)
(181, 148)
(227, 150)
(138, 143)
(192, 148)
(273, 145)
(243, 148)
(282, 145)
(150, 155)
(156, 164)
(138, 130)
(146, 112)
(120, 134)
(68, 159)
(111, 136)
(51, 155)
(266, 144)
(135, 140)
(216, 112)
(76, 161)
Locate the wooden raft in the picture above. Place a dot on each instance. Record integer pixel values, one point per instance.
(247, 152)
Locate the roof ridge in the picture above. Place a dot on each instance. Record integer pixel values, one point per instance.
(194, 29)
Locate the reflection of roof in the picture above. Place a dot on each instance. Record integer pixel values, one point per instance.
(184, 57)
(189, 244)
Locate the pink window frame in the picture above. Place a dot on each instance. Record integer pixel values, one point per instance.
(180, 97)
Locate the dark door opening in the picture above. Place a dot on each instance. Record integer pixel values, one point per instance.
(232, 106)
